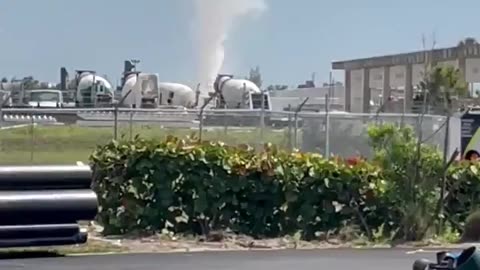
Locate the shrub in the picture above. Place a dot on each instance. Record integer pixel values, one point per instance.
(189, 187)
(472, 228)
(413, 175)
(463, 194)
(184, 186)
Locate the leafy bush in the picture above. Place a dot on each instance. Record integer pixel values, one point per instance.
(187, 187)
(184, 186)
(472, 228)
(463, 196)
(413, 174)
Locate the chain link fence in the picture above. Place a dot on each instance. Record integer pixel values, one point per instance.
(68, 136)
(347, 134)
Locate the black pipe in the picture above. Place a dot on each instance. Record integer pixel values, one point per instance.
(38, 231)
(47, 207)
(63, 78)
(79, 238)
(45, 177)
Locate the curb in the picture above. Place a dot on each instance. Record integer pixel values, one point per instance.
(407, 250)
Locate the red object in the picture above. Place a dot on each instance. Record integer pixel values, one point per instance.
(352, 161)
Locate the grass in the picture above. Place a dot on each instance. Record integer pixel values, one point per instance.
(69, 144)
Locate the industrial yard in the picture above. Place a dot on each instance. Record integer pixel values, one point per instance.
(182, 126)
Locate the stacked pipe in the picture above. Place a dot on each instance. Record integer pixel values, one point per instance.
(42, 205)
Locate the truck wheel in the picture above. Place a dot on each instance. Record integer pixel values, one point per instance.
(421, 264)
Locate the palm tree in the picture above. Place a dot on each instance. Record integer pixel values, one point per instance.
(441, 85)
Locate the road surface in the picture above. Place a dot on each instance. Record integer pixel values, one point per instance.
(253, 260)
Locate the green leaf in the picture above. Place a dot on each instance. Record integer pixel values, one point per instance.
(326, 181)
(201, 203)
(474, 169)
(291, 196)
(279, 171)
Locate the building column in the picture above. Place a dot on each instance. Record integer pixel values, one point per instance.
(386, 86)
(348, 91)
(462, 54)
(408, 99)
(366, 90)
(462, 66)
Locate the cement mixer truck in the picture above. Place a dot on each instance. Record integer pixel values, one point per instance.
(146, 91)
(140, 90)
(239, 94)
(86, 89)
(92, 90)
(175, 94)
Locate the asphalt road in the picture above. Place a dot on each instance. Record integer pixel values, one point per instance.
(253, 260)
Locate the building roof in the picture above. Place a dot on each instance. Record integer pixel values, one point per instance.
(418, 57)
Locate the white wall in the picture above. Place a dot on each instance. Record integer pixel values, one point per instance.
(397, 76)
(472, 70)
(280, 103)
(418, 72)
(453, 63)
(281, 99)
(376, 78)
(339, 91)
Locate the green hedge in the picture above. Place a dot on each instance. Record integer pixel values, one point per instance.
(463, 193)
(188, 187)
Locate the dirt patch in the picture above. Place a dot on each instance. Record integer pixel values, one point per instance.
(161, 243)
(217, 241)
(223, 241)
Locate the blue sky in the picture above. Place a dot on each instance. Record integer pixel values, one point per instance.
(290, 41)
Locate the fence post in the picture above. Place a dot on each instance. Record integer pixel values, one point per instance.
(225, 122)
(200, 124)
(116, 106)
(327, 126)
(131, 124)
(115, 122)
(32, 138)
(262, 119)
(295, 132)
(446, 147)
(289, 135)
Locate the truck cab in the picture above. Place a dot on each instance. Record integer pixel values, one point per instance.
(256, 101)
(44, 98)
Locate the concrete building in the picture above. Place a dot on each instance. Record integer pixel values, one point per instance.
(397, 76)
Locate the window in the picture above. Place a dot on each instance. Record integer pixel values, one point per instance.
(44, 96)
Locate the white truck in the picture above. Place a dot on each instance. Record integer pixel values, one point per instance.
(44, 98)
(146, 91)
(92, 90)
(239, 94)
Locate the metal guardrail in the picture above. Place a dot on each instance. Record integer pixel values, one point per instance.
(75, 111)
(182, 117)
